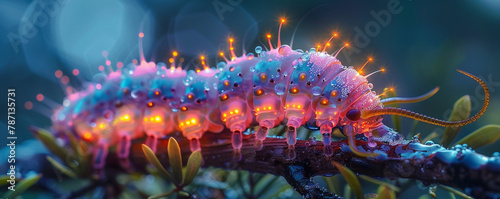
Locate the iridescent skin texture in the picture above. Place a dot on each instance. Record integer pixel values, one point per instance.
(279, 86)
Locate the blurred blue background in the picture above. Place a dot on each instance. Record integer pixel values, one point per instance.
(421, 44)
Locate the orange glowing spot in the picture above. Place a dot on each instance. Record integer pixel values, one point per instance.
(268, 36)
(190, 96)
(230, 113)
(328, 44)
(87, 136)
(175, 53)
(224, 97)
(141, 35)
(236, 111)
(231, 39)
(263, 76)
(318, 46)
(202, 57)
(298, 106)
(264, 108)
(188, 123)
(259, 92)
(102, 126)
(346, 44)
(370, 59)
(59, 73)
(193, 121)
(226, 82)
(150, 104)
(224, 115)
(335, 34)
(258, 109)
(184, 108)
(302, 76)
(270, 107)
(382, 69)
(39, 97)
(171, 60)
(324, 101)
(294, 90)
(157, 93)
(221, 54)
(282, 20)
(182, 123)
(334, 93)
(231, 48)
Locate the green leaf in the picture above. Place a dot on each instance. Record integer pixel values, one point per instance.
(454, 191)
(461, 111)
(384, 192)
(484, 136)
(162, 194)
(3, 180)
(23, 185)
(332, 183)
(263, 185)
(62, 168)
(351, 179)
(192, 167)
(175, 158)
(49, 141)
(430, 137)
(150, 155)
(379, 182)
(74, 144)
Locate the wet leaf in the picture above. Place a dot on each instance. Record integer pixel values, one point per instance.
(430, 136)
(264, 184)
(432, 191)
(62, 168)
(192, 167)
(49, 141)
(183, 194)
(150, 155)
(332, 183)
(351, 179)
(3, 180)
(23, 185)
(384, 192)
(379, 182)
(484, 136)
(454, 191)
(73, 142)
(162, 194)
(175, 158)
(461, 111)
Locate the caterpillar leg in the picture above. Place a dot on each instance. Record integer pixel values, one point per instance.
(261, 134)
(291, 133)
(351, 140)
(152, 141)
(326, 131)
(99, 156)
(194, 144)
(237, 142)
(124, 147)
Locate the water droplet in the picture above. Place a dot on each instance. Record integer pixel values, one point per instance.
(258, 49)
(370, 86)
(279, 89)
(316, 90)
(221, 65)
(252, 69)
(250, 55)
(312, 50)
(430, 142)
(207, 86)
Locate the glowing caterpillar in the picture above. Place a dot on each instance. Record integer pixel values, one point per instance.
(280, 85)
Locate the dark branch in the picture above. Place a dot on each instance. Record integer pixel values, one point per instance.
(478, 175)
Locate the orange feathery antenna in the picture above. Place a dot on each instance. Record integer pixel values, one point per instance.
(282, 21)
(329, 40)
(345, 45)
(395, 100)
(269, 40)
(231, 48)
(423, 118)
(360, 71)
(222, 55)
(386, 90)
